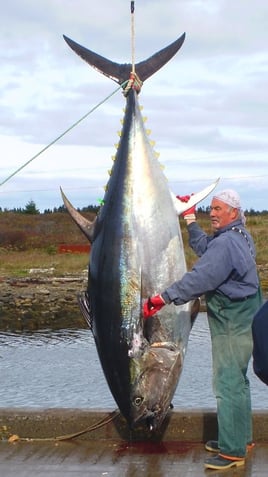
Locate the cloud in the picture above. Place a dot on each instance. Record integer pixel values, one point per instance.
(207, 108)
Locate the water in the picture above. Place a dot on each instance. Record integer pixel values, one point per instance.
(61, 369)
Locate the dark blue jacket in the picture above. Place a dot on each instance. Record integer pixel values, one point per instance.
(226, 264)
(260, 343)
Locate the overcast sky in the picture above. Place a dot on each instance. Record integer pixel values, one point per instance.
(207, 108)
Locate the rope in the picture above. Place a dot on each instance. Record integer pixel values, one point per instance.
(134, 81)
(101, 423)
(63, 134)
(132, 9)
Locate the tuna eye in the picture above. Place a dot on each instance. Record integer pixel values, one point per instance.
(138, 401)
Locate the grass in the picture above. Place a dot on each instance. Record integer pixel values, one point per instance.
(31, 241)
(18, 263)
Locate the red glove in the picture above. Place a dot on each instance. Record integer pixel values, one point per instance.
(185, 198)
(152, 306)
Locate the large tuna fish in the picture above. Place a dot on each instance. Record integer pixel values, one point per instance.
(136, 251)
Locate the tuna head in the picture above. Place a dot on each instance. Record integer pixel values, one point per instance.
(154, 378)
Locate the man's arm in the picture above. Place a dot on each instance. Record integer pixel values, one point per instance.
(198, 239)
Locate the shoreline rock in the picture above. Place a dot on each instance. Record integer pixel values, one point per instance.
(33, 303)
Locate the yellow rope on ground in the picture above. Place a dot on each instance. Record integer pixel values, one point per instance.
(101, 423)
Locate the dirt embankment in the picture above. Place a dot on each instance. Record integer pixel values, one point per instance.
(41, 302)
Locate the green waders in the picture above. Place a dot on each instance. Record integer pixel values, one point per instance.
(230, 324)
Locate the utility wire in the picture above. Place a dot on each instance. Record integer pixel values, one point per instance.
(61, 135)
(132, 9)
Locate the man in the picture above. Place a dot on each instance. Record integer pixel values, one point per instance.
(226, 274)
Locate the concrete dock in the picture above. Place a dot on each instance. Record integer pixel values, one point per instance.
(71, 442)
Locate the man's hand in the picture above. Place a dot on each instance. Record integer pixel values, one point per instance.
(183, 198)
(152, 306)
(188, 214)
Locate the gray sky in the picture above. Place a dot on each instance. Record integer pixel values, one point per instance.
(207, 108)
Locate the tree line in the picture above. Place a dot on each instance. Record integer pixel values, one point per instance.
(31, 208)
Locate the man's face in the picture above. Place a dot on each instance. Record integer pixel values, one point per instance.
(221, 214)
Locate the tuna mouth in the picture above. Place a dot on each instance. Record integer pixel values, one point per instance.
(152, 422)
(151, 418)
(155, 418)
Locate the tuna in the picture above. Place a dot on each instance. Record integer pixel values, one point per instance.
(136, 251)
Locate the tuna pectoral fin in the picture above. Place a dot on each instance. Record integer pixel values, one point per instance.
(194, 199)
(85, 225)
(120, 72)
(84, 304)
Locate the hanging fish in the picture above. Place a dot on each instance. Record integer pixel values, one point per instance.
(136, 250)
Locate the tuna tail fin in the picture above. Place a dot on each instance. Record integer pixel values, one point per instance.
(121, 72)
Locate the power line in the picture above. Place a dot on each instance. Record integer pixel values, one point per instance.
(61, 135)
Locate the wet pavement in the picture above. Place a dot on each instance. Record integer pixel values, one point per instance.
(116, 458)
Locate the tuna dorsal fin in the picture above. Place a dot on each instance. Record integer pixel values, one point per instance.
(85, 225)
(120, 72)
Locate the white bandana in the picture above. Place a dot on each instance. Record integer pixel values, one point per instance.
(231, 197)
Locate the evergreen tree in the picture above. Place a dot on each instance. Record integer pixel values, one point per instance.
(30, 208)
